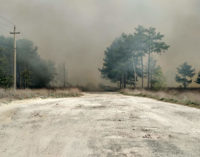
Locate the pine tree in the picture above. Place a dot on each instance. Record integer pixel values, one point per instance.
(117, 66)
(155, 45)
(140, 46)
(5, 77)
(157, 76)
(198, 79)
(27, 58)
(185, 74)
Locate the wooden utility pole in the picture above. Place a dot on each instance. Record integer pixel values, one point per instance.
(64, 75)
(14, 59)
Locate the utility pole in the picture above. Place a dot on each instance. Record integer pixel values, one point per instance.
(64, 77)
(14, 59)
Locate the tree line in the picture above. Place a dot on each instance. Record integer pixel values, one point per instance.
(32, 71)
(128, 61)
(124, 58)
(124, 61)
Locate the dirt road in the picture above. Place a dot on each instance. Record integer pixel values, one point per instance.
(98, 125)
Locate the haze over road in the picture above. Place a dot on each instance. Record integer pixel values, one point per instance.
(98, 125)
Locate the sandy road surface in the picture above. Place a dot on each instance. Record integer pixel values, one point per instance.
(98, 125)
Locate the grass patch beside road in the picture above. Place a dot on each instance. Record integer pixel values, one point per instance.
(187, 98)
(8, 94)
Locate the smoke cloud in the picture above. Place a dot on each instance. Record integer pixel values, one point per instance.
(77, 32)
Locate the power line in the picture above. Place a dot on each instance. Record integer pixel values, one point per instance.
(4, 24)
(4, 28)
(7, 20)
(11, 24)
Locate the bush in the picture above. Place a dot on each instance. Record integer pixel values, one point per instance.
(185, 97)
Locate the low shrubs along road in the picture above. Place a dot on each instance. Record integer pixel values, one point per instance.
(9, 94)
(184, 97)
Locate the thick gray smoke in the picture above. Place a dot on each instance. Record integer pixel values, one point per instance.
(77, 32)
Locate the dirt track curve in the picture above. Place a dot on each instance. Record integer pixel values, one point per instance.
(98, 125)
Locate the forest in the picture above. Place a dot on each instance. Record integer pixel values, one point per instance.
(129, 60)
(32, 70)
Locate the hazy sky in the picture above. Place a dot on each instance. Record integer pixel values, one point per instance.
(78, 31)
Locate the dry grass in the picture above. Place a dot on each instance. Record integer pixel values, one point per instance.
(188, 98)
(8, 94)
